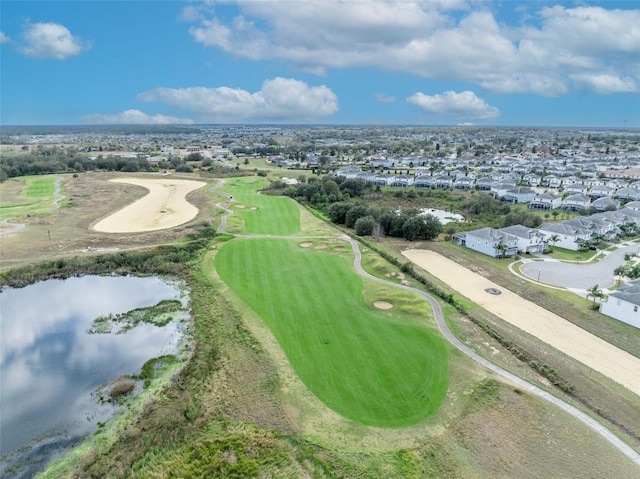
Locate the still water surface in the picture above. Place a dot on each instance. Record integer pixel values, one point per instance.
(50, 367)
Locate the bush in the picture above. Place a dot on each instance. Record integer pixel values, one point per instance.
(364, 226)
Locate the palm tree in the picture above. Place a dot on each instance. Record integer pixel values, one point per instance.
(595, 293)
(619, 272)
(501, 247)
(554, 239)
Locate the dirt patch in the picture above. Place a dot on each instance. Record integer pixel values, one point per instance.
(306, 244)
(238, 205)
(382, 305)
(164, 206)
(253, 208)
(320, 246)
(581, 345)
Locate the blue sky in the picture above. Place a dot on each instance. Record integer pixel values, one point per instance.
(435, 62)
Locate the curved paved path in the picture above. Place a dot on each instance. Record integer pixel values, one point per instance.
(446, 332)
(575, 275)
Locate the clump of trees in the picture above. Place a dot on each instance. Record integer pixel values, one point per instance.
(408, 223)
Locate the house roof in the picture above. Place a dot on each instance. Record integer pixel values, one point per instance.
(629, 292)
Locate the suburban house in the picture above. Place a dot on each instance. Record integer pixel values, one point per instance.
(532, 179)
(489, 241)
(463, 183)
(628, 194)
(443, 182)
(403, 181)
(545, 201)
(624, 304)
(552, 181)
(519, 195)
(423, 182)
(484, 184)
(385, 179)
(593, 181)
(605, 203)
(569, 236)
(634, 205)
(599, 191)
(576, 202)
(575, 188)
(529, 240)
(500, 188)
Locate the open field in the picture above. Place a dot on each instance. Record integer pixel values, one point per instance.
(369, 367)
(165, 206)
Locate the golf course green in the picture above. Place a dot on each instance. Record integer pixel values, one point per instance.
(262, 214)
(370, 367)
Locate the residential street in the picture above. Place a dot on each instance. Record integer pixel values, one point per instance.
(576, 275)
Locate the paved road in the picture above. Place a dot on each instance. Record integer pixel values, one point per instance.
(576, 275)
(446, 332)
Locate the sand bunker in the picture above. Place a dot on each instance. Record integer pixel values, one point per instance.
(165, 206)
(382, 305)
(306, 244)
(592, 351)
(239, 205)
(320, 246)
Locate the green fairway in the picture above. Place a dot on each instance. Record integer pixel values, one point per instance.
(39, 187)
(363, 364)
(262, 214)
(27, 196)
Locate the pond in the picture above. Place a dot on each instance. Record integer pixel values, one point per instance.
(52, 360)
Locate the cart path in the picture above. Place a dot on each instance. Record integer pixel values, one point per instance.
(623, 447)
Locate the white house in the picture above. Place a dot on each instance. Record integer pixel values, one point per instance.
(529, 240)
(599, 191)
(569, 236)
(604, 203)
(519, 195)
(624, 304)
(545, 201)
(489, 241)
(576, 202)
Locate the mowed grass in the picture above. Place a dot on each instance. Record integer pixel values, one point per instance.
(40, 187)
(26, 196)
(262, 214)
(367, 366)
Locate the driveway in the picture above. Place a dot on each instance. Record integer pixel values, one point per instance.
(576, 275)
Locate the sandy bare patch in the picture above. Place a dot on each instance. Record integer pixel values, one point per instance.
(239, 205)
(320, 246)
(165, 206)
(592, 351)
(306, 244)
(382, 305)
(253, 208)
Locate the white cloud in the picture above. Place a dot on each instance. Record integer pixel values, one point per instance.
(4, 38)
(382, 98)
(50, 40)
(464, 105)
(425, 38)
(133, 117)
(280, 99)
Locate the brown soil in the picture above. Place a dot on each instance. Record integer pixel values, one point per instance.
(320, 246)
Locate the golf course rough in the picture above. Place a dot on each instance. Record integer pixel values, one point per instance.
(366, 366)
